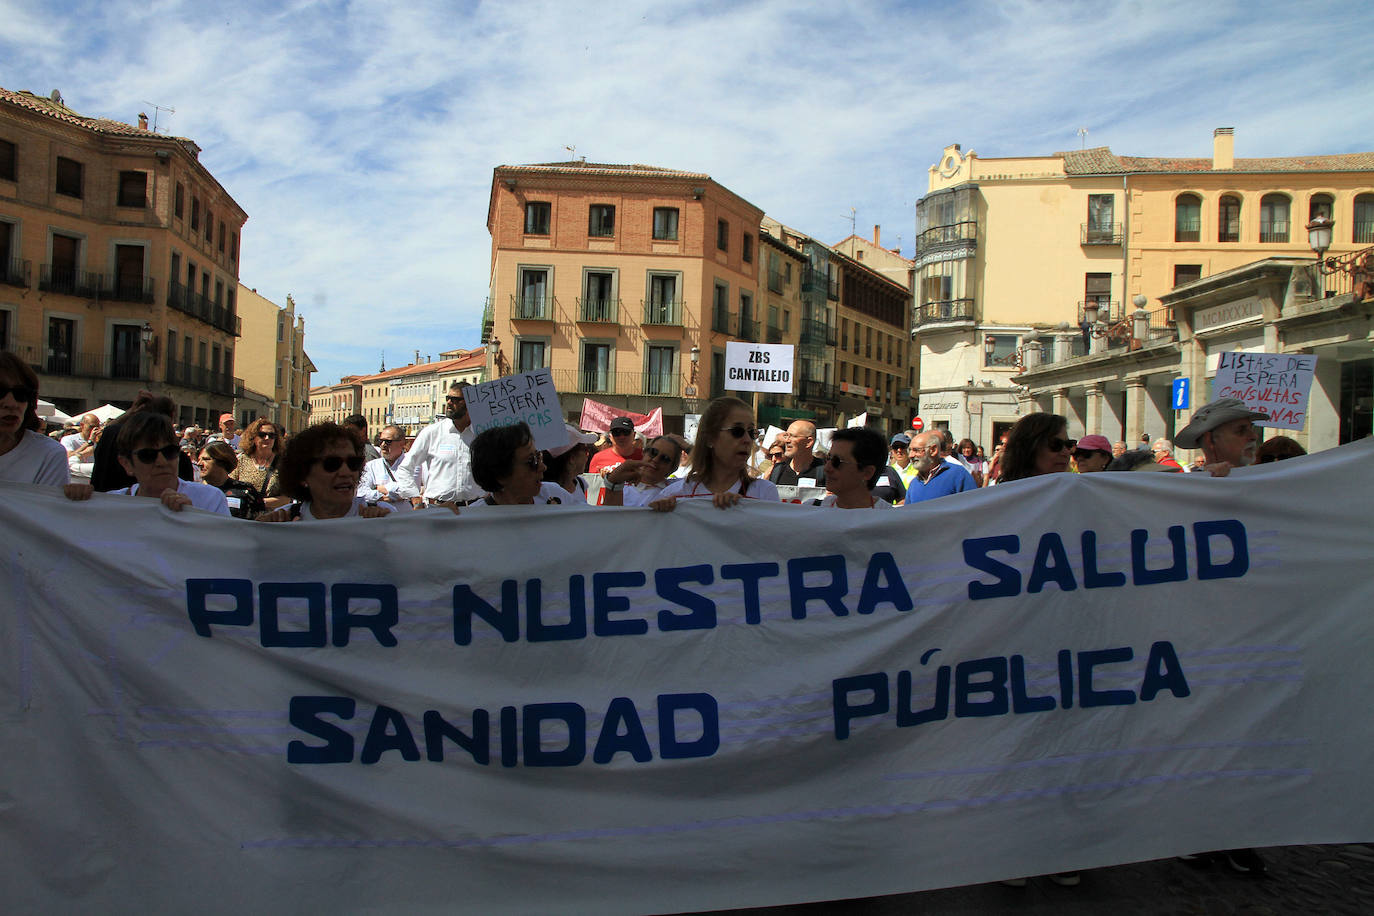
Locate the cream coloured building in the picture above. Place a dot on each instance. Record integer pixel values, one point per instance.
(272, 361)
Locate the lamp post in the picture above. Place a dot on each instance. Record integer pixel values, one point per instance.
(1319, 233)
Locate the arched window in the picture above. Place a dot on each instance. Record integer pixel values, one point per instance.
(1188, 218)
(1362, 229)
(1274, 218)
(1228, 219)
(1319, 205)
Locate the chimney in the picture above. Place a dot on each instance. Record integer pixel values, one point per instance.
(142, 121)
(877, 236)
(1224, 148)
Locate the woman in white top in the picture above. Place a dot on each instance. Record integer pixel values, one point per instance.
(320, 469)
(26, 455)
(856, 457)
(507, 465)
(638, 483)
(720, 460)
(148, 452)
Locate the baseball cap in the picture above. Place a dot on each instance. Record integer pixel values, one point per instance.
(624, 424)
(899, 439)
(1095, 444)
(1209, 416)
(225, 416)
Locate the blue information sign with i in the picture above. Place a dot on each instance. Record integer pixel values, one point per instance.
(1181, 401)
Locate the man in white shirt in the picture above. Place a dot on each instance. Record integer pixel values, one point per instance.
(79, 443)
(377, 484)
(443, 448)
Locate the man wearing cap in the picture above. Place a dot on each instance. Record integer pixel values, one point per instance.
(935, 477)
(1093, 453)
(228, 431)
(802, 468)
(442, 448)
(1225, 431)
(624, 447)
(899, 449)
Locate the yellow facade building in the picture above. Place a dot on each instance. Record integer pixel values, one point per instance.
(119, 260)
(272, 362)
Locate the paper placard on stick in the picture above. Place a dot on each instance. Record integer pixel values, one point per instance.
(529, 397)
(1276, 383)
(758, 367)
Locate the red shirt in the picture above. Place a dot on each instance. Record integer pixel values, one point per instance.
(609, 458)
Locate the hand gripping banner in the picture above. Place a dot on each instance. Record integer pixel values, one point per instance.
(622, 711)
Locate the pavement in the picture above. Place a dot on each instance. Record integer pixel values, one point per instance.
(1301, 880)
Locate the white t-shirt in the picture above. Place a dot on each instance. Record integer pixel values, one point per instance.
(202, 495)
(550, 494)
(828, 502)
(639, 495)
(308, 512)
(36, 459)
(74, 442)
(759, 488)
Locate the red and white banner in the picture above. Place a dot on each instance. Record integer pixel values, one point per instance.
(597, 417)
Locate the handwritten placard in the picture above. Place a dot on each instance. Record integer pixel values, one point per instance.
(528, 397)
(1276, 383)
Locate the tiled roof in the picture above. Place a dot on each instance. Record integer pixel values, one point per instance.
(60, 112)
(576, 167)
(1102, 161)
(471, 361)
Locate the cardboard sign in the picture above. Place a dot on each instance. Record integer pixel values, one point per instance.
(758, 367)
(1276, 383)
(528, 397)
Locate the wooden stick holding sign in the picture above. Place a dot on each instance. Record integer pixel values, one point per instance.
(528, 397)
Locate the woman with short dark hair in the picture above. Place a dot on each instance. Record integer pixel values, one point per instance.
(26, 455)
(507, 465)
(857, 458)
(320, 469)
(148, 451)
(217, 461)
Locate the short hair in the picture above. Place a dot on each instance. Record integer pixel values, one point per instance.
(304, 448)
(144, 426)
(357, 421)
(395, 427)
(493, 453)
(672, 440)
(1023, 442)
(870, 451)
(459, 385)
(249, 437)
(712, 422)
(22, 373)
(221, 454)
(1278, 448)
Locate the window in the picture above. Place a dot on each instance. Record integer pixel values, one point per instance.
(1188, 218)
(219, 293)
(68, 177)
(662, 307)
(1274, 218)
(598, 296)
(66, 257)
(720, 309)
(1003, 350)
(1319, 205)
(9, 161)
(722, 235)
(1101, 211)
(179, 199)
(61, 354)
(596, 367)
(1228, 219)
(195, 213)
(537, 217)
(221, 237)
(281, 327)
(128, 285)
(665, 224)
(529, 355)
(746, 317)
(532, 300)
(659, 375)
(1187, 273)
(133, 189)
(1362, 228)
(7, 252)
(234, 247)
(601, 220)
(747, 248)
(1097, 290)
(209, 225)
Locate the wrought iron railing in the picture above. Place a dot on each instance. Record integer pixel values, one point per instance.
(1100, 234)
(808, 390)
(1275, 231)
(775, 281)
(774, 334)
(69, 281)
(14, 272)
(189, 302)
(596, 381)
(598, 310)
(189, 376)
(748, 330)
(662, 311)
(532, 308)
(945, 310)
(1108, 311)
(953, 234)
(129, 289)
(720, 321)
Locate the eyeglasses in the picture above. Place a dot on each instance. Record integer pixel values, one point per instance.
(264, 434)
(450, 399)
(149, 455)
(22, 393)
(534, 461)
(388, 441)
(1058, 445)
(332, 463)
(655, 455)
(836, 462)
(899, 448)
(739, 432)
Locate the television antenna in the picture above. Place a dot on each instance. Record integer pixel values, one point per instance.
(157, 110)
(1083, 137)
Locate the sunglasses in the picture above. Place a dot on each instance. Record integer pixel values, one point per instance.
(655, 455)
(534, 461)
(22, 393)
(1058, 445)
(149, 455)
(452, 400)
(388, 441)
(264, 434)
(617, 433)
(1080, 454)
(739, 432)
(836, 462)
(332, 463)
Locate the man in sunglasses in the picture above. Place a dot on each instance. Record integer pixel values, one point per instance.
(624, 447)
(935, 477)
(802, 468)
(378, 481)
(443, 450)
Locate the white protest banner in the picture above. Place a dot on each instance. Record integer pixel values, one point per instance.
(1276, 383)
(528, 397)
(758, 367)
(624, 711)
(799, 494)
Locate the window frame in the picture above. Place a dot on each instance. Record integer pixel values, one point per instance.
(1228, 226)
(535, 209)
(601, 221)
(9, 160)
(722, 235)
(1195, 202)
(123, 193)
(63, 175)
(1270, 221)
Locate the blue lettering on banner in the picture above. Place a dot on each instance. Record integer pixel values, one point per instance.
(342, 599)
(996, 686)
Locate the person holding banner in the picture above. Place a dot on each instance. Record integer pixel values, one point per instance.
(506, 463)
(650, 476)
(148, 451)
(857, 456)
(260, 450)
(26, 455)
(320, 469)
(378, 481)
(720, 460)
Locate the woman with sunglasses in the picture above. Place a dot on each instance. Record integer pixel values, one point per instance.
(26, 455)
(507, 465)
(216, 462)
(857, 458)
(720, 460)
(260, 451)
(148, 451)
(638, 483)
(1036, 445)
(320, 469)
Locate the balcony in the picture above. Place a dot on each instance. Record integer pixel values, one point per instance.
(817, 333)
(720, 321)
(130, 367)
(947, 310)
(748, 330)
(532, 308)
(775, 281)
(774, 334)
(129, 289)
(1273, 231)
(14, 273)
(662, 312)
(598, 311)
(1100, 234)
(946, 243)
(68, 281)
(189, 302)
(488, 320)
(199, 377)
(596, 381)
(817, 391)
(816, 281)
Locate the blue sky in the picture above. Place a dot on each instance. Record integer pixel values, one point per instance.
(360, 136)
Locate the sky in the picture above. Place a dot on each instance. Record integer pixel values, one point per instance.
(360, 137)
